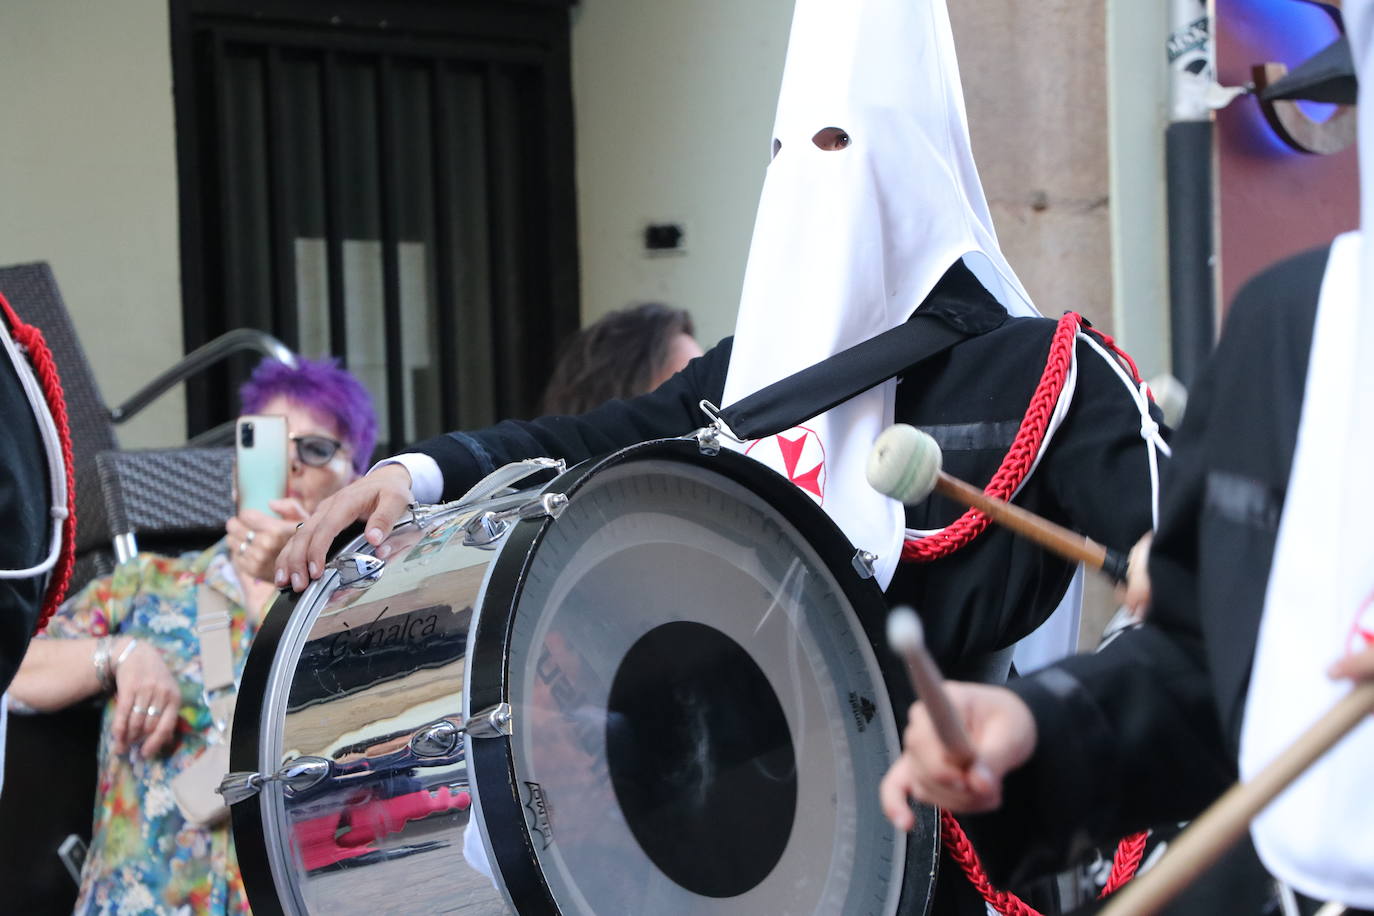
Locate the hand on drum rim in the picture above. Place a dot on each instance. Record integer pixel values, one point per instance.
(381, 497)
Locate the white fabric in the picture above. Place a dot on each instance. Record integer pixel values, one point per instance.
(1318, 836)
(426, 480)
(847, 243)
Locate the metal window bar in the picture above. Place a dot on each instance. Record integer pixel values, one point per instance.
(391, 268)
(281, 237)
(445, 275)
(332, 137)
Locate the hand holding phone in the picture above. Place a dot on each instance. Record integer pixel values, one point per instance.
(260, 443)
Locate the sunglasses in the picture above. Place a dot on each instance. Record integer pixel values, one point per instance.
(316, 451)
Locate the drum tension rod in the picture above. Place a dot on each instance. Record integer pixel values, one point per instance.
(297, 775)
(440, 739)
(488, 527)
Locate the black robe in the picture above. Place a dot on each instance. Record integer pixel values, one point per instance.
(971, 398)
(1147, 730)
(24, 501)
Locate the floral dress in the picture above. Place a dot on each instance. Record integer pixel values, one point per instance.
(144, 859)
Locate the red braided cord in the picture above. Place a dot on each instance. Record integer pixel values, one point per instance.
(45, 368)
(1124, 864)
(961, 851)
(1129, 852)
(1019, 458)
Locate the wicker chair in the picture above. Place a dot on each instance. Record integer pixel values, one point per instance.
(32, 290)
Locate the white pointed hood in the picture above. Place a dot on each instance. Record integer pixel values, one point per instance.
(849, 241)
(1320, 599)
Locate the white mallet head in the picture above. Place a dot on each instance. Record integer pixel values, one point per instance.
(904, 631)
(904, 464)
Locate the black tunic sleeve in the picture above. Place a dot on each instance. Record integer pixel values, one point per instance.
(670, 410)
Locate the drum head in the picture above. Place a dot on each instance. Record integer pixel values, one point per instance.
(702, 721)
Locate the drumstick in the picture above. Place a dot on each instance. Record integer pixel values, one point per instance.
(906, 637)
(1217, 828)
(905, 464)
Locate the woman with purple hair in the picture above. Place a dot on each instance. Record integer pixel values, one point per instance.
(132, 638)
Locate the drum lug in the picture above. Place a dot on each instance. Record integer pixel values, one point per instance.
(437, 739)
(492, 722)
(708, 441)
(483, 529)
(865, 563)
(358, 570)
(297, 775)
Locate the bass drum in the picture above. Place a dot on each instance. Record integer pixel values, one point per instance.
(648, 686)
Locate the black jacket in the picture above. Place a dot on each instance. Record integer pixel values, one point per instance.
(971, 398)
(1146, 731)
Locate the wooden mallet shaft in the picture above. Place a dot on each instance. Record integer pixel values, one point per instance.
(1218, 828)
(905, 464)
(1055, 538)
(906, 637)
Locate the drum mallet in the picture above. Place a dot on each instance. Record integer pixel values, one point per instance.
(1217, 828)
(906, 637)
(905, 465)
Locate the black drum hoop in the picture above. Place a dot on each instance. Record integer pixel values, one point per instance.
(507, 829)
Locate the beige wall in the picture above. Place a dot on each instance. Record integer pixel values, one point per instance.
(674, 107)
(88, 183)
(674, 104)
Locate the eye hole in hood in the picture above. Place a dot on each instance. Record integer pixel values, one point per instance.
(829, 139)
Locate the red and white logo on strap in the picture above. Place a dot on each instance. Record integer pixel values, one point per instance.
(799, 455)
(1362, 630)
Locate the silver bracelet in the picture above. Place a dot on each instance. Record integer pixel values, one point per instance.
(123, 654)
(101, 660)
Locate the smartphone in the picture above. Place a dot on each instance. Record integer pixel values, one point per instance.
(260, 444)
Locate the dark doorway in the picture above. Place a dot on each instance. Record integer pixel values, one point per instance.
(390, 183)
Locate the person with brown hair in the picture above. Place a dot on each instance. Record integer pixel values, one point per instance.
(627, 352)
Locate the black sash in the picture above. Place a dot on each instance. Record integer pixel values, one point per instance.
(816, 389)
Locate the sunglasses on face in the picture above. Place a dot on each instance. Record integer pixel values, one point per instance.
(316, 451)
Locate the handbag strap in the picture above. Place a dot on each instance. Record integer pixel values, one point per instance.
(819, 387)
(216, 652)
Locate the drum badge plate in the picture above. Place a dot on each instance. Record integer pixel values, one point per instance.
(538, 816)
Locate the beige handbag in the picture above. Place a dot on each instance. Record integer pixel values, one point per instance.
(194, 787)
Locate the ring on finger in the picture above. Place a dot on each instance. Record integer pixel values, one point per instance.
(152, 711)
(243, 546)
(137, 710)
